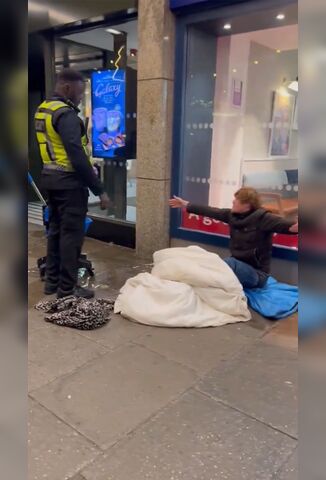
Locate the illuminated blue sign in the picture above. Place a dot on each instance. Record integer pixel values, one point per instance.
(108, 112)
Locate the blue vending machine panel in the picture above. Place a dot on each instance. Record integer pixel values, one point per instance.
(108, 112)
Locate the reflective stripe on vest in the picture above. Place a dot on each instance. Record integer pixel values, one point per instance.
(53, 153)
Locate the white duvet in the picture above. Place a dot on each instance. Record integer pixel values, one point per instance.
(188, 287)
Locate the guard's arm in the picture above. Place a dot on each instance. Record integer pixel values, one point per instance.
(69, 129)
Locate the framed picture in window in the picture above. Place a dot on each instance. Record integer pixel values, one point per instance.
(237, 89)
(283, 106)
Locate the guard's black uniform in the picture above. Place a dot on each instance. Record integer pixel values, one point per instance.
(66, 190)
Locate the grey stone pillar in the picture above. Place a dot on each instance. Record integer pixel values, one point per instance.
(156, 37)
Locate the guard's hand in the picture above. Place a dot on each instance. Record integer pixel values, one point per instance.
(177, 202)
(104, 201)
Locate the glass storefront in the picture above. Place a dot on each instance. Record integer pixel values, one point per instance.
(238, 111)
(107, 56)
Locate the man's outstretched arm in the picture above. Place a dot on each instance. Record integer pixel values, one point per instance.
(275, 224)
(221, 214)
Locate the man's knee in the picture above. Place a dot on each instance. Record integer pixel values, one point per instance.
(232, 263)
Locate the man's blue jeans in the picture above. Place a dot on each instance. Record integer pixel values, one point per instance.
(246, 274)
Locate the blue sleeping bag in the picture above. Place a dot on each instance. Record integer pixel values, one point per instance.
(275, 300)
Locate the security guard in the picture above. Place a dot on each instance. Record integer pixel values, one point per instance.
(66, 177)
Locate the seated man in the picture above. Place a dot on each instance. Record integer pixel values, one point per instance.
(251, 232)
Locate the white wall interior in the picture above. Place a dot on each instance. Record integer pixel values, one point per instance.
(262, 60)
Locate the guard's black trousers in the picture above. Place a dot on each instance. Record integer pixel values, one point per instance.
(68, 210)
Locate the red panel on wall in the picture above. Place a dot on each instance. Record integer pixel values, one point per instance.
(191, 221)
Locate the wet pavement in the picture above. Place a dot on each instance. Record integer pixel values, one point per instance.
(131, 402)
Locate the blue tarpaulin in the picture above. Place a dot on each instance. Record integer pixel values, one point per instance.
(275, 300)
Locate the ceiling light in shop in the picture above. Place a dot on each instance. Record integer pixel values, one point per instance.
(234, 70)
(278, 51)
(283, 91)
(294, 86)
(256, 62)
(280, 16)
(113, 31)
(227, 26)
(100, 18)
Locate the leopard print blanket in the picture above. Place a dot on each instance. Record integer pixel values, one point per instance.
(77, 312)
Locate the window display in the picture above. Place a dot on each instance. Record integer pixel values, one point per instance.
(239, 126)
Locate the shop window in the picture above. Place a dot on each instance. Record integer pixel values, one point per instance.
(240, 124)
(107, 57)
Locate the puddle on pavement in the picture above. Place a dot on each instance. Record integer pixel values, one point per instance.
(112, 280)
(34, 271)
(144, 265)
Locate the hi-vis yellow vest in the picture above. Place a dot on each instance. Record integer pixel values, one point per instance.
(52, 151)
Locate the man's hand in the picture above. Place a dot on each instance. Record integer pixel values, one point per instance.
(177, 202)
(294, 228)
(104, 201)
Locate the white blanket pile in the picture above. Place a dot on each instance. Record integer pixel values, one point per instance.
(188, 287)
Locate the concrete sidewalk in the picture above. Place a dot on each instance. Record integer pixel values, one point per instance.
(131, 402)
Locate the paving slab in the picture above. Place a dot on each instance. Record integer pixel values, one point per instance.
(289, 471)
(115, 275)
(121, 388)
(117, 332)
(56, 351)
(200, 349)
(35, 320)
(256, 327)
(32, 264)
(112, 395)
(284, 333)
(195, 438)
(35, 292)
(109, 261)
(56, 451)
(100, 251)
(262, 382)
(37, 242)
